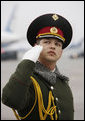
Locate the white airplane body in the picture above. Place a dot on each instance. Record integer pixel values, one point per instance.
(10, 41)
(7, 37)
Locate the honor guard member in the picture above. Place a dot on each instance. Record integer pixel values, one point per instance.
(37, 90)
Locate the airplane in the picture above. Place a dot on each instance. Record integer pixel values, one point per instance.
(77, 55)
(7, 35)
(77, 49)
(12, 43)
(76, 44)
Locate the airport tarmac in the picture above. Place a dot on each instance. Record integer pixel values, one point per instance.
(73, 68)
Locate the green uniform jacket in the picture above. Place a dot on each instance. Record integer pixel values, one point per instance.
(19, 93)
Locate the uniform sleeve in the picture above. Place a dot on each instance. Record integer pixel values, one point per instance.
(16, 94)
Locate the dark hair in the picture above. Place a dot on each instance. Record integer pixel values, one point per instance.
(38, 41)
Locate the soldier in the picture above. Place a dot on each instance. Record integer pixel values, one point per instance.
(37, 90)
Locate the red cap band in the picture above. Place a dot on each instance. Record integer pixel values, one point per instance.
(51, 31)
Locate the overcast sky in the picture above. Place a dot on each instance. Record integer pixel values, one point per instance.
(27, 11)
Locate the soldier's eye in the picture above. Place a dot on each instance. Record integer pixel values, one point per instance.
(47, 42)
(58, 44)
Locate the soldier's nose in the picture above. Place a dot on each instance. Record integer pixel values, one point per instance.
(52, 46)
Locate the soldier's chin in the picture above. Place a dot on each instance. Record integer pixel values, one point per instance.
(51, 59)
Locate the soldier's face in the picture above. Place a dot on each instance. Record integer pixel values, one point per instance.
(52, 49)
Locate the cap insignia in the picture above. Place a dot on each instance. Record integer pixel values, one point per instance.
(54, 30)
(55, 17)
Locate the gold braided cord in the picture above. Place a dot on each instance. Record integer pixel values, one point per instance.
(51, 34)
(49, 111)
(15, 114)
(42, 111)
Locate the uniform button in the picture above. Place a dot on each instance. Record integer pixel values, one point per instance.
(52, 87)
(56, 99)
(59, 111)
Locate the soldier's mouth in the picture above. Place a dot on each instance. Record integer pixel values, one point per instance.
(51, 53)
